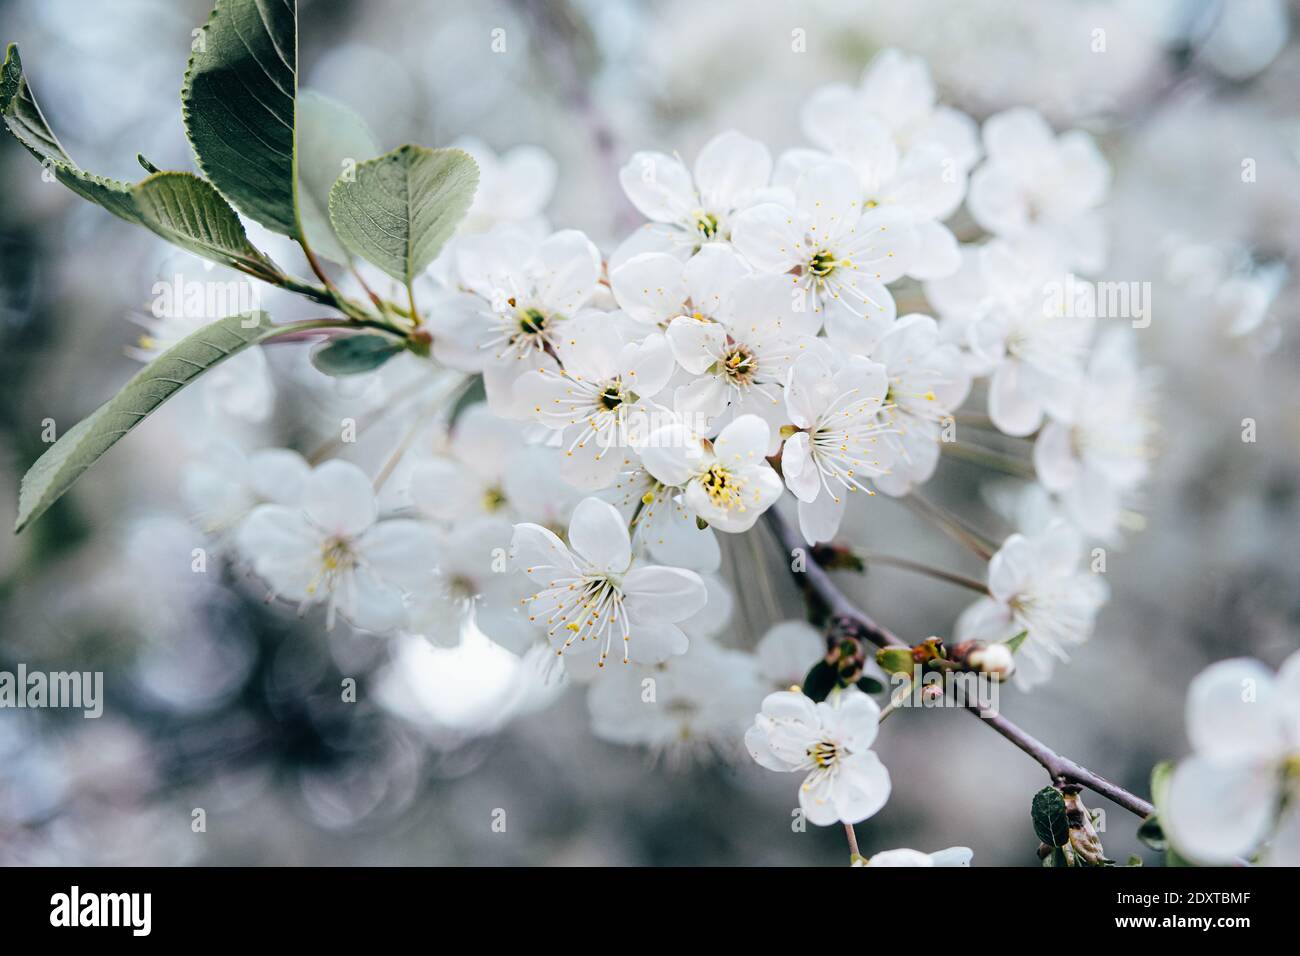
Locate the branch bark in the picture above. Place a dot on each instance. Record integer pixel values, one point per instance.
(1061, 769)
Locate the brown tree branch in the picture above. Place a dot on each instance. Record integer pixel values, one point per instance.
(1061, 769)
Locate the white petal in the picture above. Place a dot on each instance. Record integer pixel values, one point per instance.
(650, 287)
(861, 787)
(1233, 709)
(1055, 461)
(659, 186)
(658, 593)
(598, 533)
(730, 169)
(1217, 810)
(672, 454)
(819, 519)
(767, 236)
(339, 499)
(695, 344)
(800, 471)
(711, 274)
(1013, 408)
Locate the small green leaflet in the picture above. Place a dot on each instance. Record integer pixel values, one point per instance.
(239, 105)
(83, 444)
(1048, 813)
(1013, 643)
(354, 354)
(400, 208)
(182, 208)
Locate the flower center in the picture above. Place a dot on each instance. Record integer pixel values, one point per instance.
(823, 263)
(494, 499)
(531, 321)
(611, 397)
(723, 487)
(706, 224)
(824, 753)
(739, 364)
(336, 559)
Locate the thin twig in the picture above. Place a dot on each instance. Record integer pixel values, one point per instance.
(907, 564)
(988, 458)
(951, 525)
(1060, 769)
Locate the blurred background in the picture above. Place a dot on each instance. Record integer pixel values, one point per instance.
(215, 700)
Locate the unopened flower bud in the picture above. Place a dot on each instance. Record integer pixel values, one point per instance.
(994, 659)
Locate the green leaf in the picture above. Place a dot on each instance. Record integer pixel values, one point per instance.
(354, 354)
(23, 117)
(1048, 813)
(401, 208)
(182, 208)
(820, 681)
(239, 105)
(189, 213)
(332, 140)
(1015, 641)
(83, 444)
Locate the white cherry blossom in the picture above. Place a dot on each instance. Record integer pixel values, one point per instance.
(599, 397)
(728, 482)
(331, 548)
(1242, 781)
(1039, 188)
(1036, 587)
(837, 445)
(689, 208)
(831, 740)
(843, 251)
(592, 601)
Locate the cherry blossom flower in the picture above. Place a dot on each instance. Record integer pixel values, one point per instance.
(692, 706)
(837, 446)
(518, 294)
(788, 650)
(728, 482)
(331, 548)
(898, 91)
(1104, 451)
(688, 210)
(740, 361)
(1000, 306)
(1242, 781)
(598, 398)
(1040, 188)
(224, 484)
(928, 380)
(656, 288)
(846, 782)
(843, 251)
(662, 524)
(591, 599)
(1037, 588)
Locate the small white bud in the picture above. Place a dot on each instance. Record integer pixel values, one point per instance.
(995, 659)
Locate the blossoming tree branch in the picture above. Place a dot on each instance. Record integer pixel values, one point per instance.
(578, 434)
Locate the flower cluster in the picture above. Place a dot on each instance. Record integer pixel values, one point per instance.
(807, 327)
